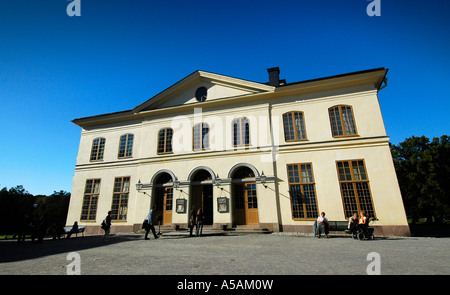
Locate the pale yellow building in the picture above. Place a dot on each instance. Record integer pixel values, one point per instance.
(261, 155)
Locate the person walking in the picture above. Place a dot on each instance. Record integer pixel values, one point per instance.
(192, 220)
(106, 225)
(150, 225)
(200, 220)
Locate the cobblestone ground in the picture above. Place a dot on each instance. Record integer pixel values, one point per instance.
(252, 254)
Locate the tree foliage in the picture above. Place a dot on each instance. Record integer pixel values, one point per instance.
(16, 204)
(423, 172)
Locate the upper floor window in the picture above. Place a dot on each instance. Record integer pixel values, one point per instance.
(126, 146)
(201, 94)
(165, 140)
(342, 121)
(241, 132)
(294, 126)
(201, 136)
(98, 148)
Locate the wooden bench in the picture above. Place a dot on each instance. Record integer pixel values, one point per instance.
(334, 226)
(81, 229)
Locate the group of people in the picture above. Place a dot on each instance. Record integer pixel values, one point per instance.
(353, 223)
(196, 218)
(34, 224)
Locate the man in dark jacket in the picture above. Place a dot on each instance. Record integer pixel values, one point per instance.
(106, 225)
(150, 225)
(192, 220)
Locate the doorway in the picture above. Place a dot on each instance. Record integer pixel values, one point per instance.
(202, 194)
(163, 193)
(245, 200)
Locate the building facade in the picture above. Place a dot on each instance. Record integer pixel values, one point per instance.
(260, 155)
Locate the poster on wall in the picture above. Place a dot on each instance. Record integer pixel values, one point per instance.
(222, 204)
(181, 205)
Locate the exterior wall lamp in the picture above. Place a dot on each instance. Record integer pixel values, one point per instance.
(139, 186)
(176, 183)
(263, 179)
(217, 181)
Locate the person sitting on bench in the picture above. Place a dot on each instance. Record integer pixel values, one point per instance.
(322, 225)
(73, 230)
(362, 219)
(352, 223)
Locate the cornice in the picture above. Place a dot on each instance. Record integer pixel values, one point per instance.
(298, 147)
(373, 77)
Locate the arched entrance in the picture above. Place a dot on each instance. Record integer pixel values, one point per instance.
(245, 208)
(163, 197)
(202, 193)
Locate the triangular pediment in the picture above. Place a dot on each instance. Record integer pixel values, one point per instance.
(217, 86)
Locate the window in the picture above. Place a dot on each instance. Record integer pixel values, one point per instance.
(302, 191)
(245, 196)
(119, 206)
(355, 188)
(241, 132)
(342, 122)
(90, 200)
(294, 126)
(169, 198)
(126, 146)
(201, 137)
(252, 200)
(165, 141)
(201, 94)
(98, 148)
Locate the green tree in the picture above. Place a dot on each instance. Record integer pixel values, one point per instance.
(423, 172)
(15, 203)
(56, 208)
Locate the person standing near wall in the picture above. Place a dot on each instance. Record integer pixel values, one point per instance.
(200, 220)
(106, 225)
(322, 225)
(192, 220)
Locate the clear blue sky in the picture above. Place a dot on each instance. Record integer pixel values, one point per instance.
(119, 53)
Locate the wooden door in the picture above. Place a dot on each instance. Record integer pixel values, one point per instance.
(239, 204)
(167, 207)
(251, 204)
(245, 204)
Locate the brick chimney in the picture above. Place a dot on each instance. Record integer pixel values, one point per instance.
(274, 77)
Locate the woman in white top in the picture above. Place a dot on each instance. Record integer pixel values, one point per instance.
(322, 225)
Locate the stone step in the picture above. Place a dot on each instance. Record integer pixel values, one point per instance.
(208, 230)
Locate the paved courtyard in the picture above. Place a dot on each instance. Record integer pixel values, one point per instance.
(251, 254)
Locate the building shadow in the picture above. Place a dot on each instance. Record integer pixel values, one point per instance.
(11, 251)
(441, 230)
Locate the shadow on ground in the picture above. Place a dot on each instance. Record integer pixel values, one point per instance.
(11, 251)
(430, 230)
